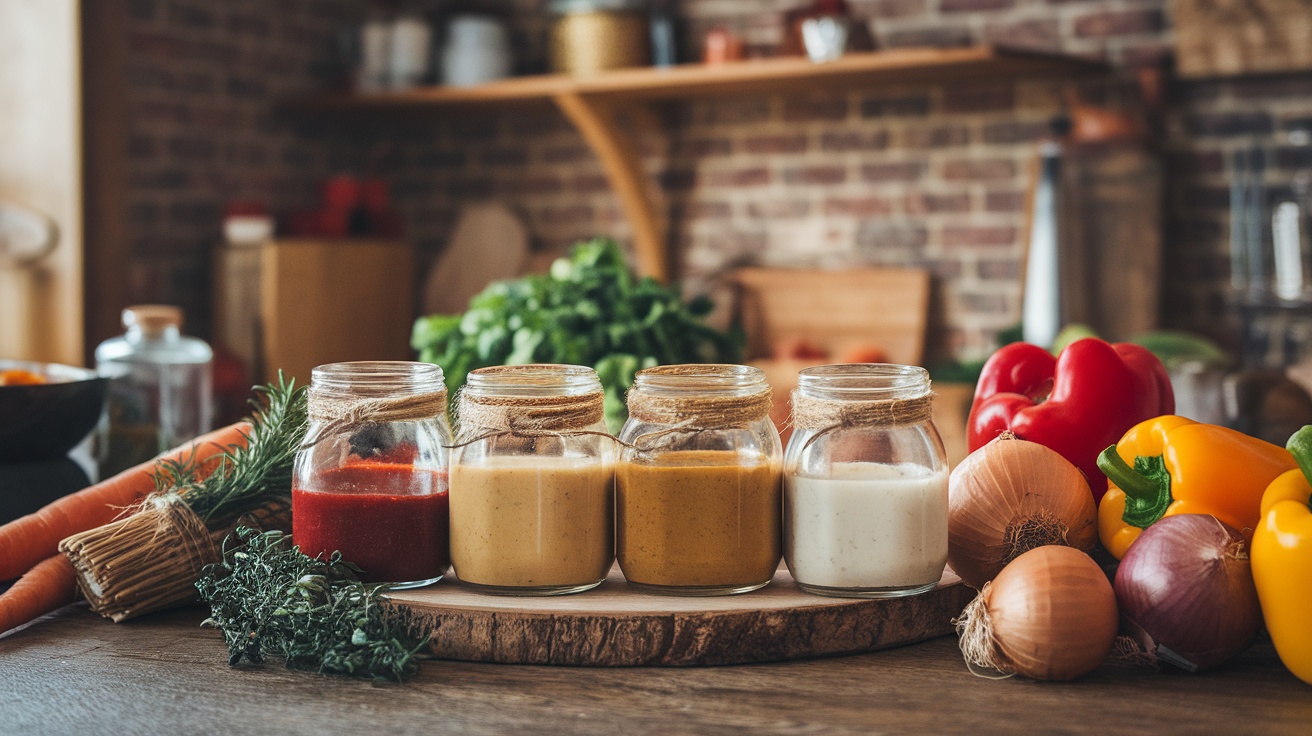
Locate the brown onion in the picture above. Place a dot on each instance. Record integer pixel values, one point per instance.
(1186, 592)
(1009, 497)
(1049, 615)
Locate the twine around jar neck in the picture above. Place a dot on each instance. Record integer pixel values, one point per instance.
(480, 416)
(825, 415)
(705, 411)
(698, 398)
(335, 411)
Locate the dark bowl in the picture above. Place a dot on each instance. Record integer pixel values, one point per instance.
(45, 420)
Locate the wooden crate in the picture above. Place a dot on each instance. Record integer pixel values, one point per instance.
(1224, 37)
(835, 310)
(296, 303)
(832, 310)
(1111, 238)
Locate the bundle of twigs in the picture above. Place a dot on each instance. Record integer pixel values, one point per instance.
(152, 558)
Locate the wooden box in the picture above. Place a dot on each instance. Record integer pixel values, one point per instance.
(1111, 239)
(832, 310)
(296, 303)
(1225, 37)
(835, 310)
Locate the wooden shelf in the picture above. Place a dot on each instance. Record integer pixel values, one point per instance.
(756, 76)
(591, 103)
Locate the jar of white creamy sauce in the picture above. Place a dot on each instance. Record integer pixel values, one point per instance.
(865, 483)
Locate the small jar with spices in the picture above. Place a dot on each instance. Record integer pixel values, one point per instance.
(865, 483)
(698, 483)
(589, 36)
(371, 478)
(532, 481)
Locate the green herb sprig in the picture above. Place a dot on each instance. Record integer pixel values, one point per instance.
(589, 310)
(270, 599)
(246, 477)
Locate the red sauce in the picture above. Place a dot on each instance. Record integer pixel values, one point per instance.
(389, 519)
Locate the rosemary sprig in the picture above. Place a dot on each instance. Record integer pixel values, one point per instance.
(246, 477)
(270, 599)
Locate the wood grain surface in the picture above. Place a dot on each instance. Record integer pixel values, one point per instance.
(74, 673)
(899, 66)
(1227, 37)
(613, 625)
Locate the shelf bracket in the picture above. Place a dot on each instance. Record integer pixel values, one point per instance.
(595, 121)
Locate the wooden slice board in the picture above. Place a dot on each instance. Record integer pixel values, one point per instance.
(613, 625)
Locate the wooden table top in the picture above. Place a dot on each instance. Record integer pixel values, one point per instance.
(73, 673)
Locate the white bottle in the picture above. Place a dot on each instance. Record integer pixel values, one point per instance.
(160, 387)
(375, 72)
(411, 51)
(477, 51)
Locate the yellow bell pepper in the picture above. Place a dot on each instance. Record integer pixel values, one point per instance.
(1282, 560)
(1171, 465)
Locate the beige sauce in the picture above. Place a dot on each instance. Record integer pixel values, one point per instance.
(698, 518)
(532, 522)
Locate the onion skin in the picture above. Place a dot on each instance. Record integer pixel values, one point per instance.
(1011, 496)
(1049, 615)
(1186, 592)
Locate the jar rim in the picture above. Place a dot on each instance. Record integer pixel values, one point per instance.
(700, 378)
(569, 7)
(378, 377)
(533, 379)
(867, 381)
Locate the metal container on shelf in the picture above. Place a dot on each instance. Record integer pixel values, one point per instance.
(589, 36)
(1271, 254)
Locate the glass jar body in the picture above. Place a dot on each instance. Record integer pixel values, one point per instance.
(588, 36)
(866, 506)
(532, 513)
(160, 389)
(376, 491)
(698, 508)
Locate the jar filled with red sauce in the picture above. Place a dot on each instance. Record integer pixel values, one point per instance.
(371, 479)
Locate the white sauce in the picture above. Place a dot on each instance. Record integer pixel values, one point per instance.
(867, 526)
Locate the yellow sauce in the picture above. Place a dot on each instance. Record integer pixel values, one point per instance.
(698, 519)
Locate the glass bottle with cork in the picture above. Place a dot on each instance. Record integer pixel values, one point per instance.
(698, 483)
(160, 387)
(371, 477)
(532, 481)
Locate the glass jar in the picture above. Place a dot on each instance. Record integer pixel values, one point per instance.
(160, 388)
(371, 478)
(697, 487)
(532, 481)
(1290, 240)
(589, 36)
(865, 483)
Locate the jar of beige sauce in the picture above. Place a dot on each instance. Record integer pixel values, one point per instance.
(532, 481)
(698, 482)
(865, 483)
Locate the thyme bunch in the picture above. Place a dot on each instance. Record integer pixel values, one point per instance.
(270, 599)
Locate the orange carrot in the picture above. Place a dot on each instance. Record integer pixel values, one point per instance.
(48, 586)
(27, 540)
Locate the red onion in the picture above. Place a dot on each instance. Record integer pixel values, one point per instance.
(1185, 591)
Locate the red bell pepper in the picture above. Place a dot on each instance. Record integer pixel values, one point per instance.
(1077, 404)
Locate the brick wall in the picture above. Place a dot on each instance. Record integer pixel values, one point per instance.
(1205, 122)
(204, 80)
(931, 177)
(907, 177)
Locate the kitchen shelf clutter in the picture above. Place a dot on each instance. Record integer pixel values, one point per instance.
(592, 102)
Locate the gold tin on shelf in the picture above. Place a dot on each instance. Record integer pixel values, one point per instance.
(589, 36)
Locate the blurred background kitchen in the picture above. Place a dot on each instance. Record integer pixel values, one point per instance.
(305, 178)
